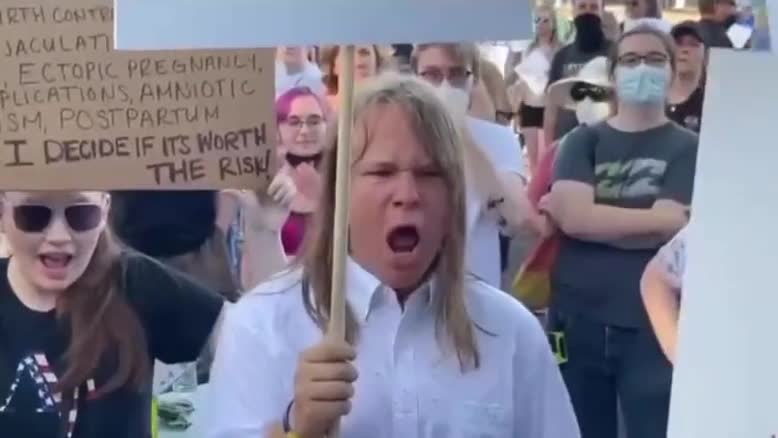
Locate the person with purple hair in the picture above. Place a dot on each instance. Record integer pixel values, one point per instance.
(301, 116)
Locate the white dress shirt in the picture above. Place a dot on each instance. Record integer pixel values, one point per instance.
(407, 386)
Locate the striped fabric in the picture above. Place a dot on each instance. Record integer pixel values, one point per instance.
(38, 369)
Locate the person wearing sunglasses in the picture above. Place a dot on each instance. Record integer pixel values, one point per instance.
(621, 189)
(528, 94)
(82, 320)
(497, 201)
(590, 42)
(589, 93)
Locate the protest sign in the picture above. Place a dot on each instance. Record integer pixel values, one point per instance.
(75, 114)
(184, 24)
(725, 383)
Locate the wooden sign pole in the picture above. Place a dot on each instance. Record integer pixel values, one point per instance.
(337, 322)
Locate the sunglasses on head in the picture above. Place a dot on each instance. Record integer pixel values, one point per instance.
(36, 218)
(582, 90)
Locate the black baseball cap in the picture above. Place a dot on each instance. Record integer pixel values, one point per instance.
(687, 28)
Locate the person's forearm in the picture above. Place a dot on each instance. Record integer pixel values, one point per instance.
(516, 210)
(604, 223)
(263, 256)
(661, 304)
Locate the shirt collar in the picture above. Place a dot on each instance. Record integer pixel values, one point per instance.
(363, 287)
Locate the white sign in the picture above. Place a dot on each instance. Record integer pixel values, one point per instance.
(181, 24)
(771, 6)
(726, 379)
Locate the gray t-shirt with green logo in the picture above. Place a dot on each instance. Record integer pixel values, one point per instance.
(627, 170)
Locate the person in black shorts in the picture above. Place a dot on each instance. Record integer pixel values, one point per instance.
(529, 101)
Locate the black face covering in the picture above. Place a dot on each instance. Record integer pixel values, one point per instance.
(589, 35)
(296, 160)
(729, 21)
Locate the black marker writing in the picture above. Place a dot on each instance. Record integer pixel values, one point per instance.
(178, 172)
(17, 161)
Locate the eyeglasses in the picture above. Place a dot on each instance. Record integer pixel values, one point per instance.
(656, 59)
(582, 90)
(632, 3)
(542, 20)
(456, 76)
(80, 218)
(297, 123)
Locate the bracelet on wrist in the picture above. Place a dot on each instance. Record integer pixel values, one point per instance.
(286, 423)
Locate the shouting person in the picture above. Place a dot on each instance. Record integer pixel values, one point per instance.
(81, 321)
(429, 351)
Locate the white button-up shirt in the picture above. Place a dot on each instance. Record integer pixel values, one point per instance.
(408, 387)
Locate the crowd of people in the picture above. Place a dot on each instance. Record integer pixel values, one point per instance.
(97, 286)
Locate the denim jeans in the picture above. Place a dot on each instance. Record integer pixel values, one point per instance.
(608, 366)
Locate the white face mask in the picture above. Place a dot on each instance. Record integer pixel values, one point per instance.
(590, 112)
(457, 100)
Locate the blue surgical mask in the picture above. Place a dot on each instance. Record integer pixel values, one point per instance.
(642, 84)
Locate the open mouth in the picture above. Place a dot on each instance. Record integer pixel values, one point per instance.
(55, 260)
(403, 239)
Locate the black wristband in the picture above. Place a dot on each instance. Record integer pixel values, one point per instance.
(288, 427)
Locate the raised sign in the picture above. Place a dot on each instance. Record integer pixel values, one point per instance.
(184, 24)
(75, 114)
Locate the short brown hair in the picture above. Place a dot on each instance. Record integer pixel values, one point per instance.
(464, 53)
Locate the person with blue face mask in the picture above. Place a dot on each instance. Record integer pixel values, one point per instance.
(621, 189)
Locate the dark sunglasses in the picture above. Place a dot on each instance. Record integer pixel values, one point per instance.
(36, 218)
(582, 90)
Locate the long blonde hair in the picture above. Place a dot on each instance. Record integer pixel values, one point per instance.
(443, 142)
(555, 43)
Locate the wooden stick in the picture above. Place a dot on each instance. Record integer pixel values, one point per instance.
(337, 322)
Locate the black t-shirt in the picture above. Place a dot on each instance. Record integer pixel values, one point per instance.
(163, 223)
(177, 316)
(628, 170)
(567, 62)
(689, 112)
(714, 34)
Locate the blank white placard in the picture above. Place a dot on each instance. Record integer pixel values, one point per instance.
(726, 379)
(182, 24)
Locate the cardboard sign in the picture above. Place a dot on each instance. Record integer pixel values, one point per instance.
(184, 24)
(725, 382)
(74, 114)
